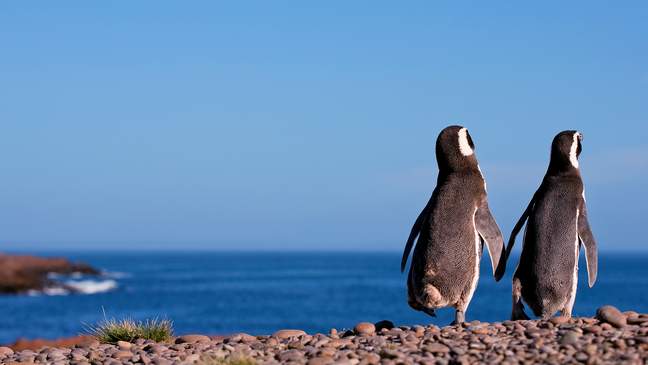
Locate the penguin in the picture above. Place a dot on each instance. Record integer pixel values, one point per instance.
(451, 231)
(556, 228)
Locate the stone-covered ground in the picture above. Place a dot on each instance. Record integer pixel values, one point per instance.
(611, 338)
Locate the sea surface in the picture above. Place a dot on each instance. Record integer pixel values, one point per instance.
(259, 293)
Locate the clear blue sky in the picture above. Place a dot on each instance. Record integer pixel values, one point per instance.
(281, 125)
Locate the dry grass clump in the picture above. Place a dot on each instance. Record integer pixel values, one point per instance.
(129, 330)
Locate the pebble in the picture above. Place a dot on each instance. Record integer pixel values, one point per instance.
(365, 328)
(554, 341)
(570, 338)
(124, 345)
(437, 348)
(283, 334)
(611, 315)
(6, 351)
(122, 355)
(290, 355)
(559, 320)
(636, 320)
(384, 324)
(192, 339)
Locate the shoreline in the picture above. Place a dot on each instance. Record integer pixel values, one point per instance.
(610, 337)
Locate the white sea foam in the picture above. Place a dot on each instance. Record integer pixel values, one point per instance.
(53, 290)
(91, 286)
(115, 274)
(56, 291)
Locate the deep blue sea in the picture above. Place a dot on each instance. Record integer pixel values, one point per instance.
(259, 293)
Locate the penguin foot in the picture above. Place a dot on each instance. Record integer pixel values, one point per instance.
(430, 312)
(518, 313)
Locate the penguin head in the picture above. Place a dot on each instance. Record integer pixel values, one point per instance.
(455, 149)
(565, 150)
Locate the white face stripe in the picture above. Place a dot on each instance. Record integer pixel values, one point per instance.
(572, 152)
(464, 146)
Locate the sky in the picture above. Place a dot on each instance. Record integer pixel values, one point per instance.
(255, 125)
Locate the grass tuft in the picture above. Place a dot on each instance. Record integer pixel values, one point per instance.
(129, 330)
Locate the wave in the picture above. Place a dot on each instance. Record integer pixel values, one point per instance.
(83, 287)
(91, 286)
(51, 291)
(115, 274)
(56, 276)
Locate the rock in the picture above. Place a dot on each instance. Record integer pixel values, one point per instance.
(144, 358)
(389, 353)
(5, 351)
(371, 359)
(291, 355)
(557, 321)
(192, 339)
(192, 358)
(384, 324)
(606, 326)
(283, 334)
(593, 329)
(611, 315)
(436, 348)
(636, 320)
(161, 361)
(479, 330)
(641, 339)
(320, 360)
(365, 329)
(570, 338)
(124, 345)
(419, 331)
(122, 355)
(247, 338)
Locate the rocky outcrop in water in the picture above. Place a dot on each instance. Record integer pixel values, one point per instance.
(21, 274)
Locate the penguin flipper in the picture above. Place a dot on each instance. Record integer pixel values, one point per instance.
(589, 243)
(489, 233)
(501, 266)
(416, 229)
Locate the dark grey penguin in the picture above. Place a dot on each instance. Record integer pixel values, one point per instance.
(547, 274)
(451, 230)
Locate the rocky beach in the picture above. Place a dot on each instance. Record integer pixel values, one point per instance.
(611, 337)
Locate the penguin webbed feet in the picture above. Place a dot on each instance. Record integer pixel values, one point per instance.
(429, 311)
(518, 313)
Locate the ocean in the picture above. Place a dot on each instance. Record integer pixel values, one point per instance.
(259, 293)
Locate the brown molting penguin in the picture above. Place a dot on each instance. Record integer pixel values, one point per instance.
(451, 230)
(547, 274)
